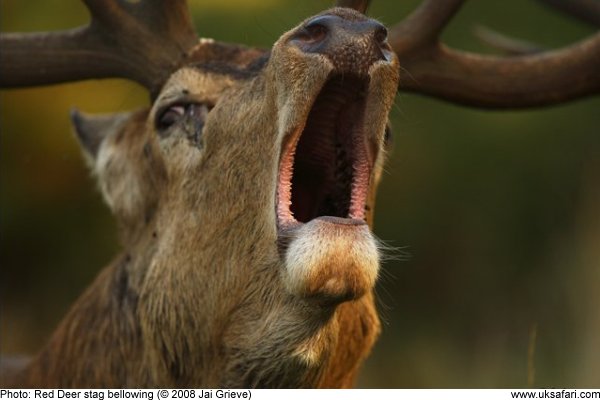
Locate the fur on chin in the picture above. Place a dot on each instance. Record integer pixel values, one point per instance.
(329, 260)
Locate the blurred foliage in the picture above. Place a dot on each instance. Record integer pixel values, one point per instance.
(495, 214)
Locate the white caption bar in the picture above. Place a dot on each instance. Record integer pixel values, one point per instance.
(292, 394)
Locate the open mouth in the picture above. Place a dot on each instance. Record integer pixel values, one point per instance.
(325, 167)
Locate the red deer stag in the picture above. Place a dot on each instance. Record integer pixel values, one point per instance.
(245, 192)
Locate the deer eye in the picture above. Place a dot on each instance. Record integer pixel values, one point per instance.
(169, 116)
(176, 113)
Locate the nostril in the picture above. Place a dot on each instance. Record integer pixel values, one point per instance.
(351, 44)
(381, 34)
(314, 31)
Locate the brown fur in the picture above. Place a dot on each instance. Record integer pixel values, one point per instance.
(199, 296)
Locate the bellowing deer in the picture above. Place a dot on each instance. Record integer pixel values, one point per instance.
(245, 192)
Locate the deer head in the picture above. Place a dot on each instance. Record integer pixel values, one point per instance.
(245, 192)
(242, 196)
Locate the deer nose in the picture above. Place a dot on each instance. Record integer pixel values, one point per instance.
(352, 45)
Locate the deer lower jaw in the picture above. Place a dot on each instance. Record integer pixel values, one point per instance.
(330, 260)
(324, 175)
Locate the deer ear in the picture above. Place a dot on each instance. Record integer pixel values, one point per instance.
(125, 161)
(91, 130)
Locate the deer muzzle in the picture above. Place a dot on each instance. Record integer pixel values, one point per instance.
(327, 161)
(352, 43)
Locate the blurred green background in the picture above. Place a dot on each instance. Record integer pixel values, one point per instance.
(496, 215)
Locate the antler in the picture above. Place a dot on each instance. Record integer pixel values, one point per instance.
(146, 40)
(138, 40)
(431, 68)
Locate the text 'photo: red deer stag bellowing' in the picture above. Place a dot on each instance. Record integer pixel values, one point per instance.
(245, 192)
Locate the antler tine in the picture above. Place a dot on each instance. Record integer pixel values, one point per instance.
(358, 5)
(423, 27)
(170, 18)
(431, 68)
(506, 44)
(139, 41)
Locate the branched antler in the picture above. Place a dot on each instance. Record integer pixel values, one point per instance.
(141, 41)
(506, 82)
(146, 40)
(432, 68)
